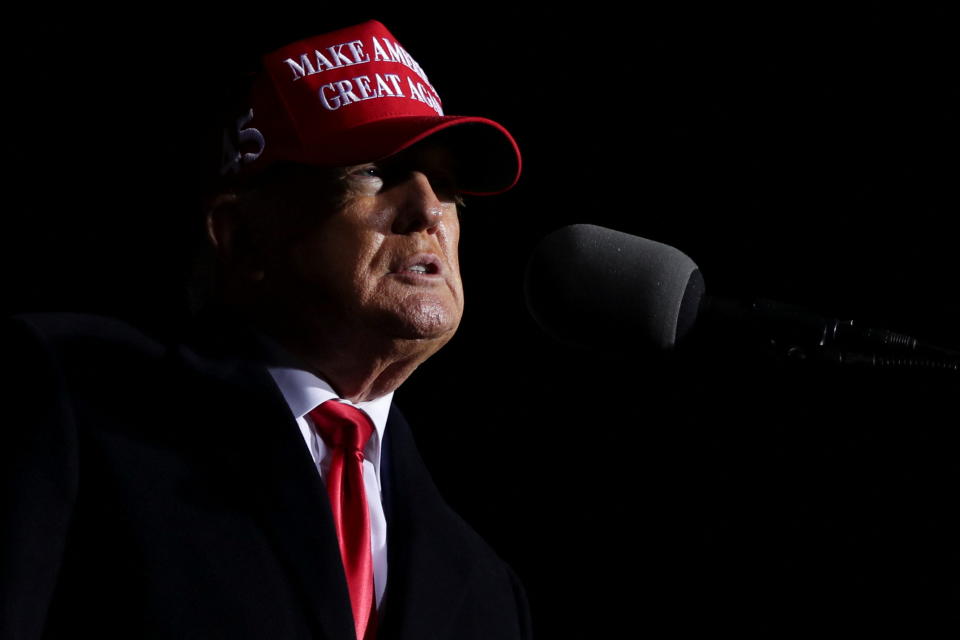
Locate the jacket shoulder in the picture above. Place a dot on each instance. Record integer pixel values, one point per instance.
(69, 330)
(83, 354)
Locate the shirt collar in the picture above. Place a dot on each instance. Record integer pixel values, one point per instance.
(304, 391)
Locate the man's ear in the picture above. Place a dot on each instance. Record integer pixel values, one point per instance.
(230, 237)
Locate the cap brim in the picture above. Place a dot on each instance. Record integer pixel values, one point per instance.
(487, 156)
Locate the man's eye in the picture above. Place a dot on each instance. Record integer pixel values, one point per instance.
(369, 171)
(366, 179)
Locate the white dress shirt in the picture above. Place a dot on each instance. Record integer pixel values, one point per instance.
(304, 391)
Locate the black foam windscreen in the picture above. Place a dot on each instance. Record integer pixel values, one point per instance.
(603, 289)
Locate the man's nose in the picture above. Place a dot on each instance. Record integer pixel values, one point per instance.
(419, 209)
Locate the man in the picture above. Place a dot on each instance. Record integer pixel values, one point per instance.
(204, 489)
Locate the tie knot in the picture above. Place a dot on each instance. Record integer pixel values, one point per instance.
(342, 426)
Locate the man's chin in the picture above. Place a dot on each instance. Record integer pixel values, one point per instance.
(424, 318)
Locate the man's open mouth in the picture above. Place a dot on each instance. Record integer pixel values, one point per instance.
(422, 263)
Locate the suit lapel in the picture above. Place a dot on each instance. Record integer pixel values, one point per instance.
(428, 569)
(296, 514)
(276, 472)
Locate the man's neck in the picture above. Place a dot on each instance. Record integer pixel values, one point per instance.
(355, 376)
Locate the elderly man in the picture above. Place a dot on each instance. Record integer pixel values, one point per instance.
(256, 479)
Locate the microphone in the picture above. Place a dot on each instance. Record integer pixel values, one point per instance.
(609, 291)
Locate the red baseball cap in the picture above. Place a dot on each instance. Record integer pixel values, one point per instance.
(355, 95)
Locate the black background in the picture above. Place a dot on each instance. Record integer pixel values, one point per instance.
(800, 155)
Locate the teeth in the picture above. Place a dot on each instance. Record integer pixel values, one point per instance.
(420, 268)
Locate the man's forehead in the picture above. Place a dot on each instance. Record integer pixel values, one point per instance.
(433, 155)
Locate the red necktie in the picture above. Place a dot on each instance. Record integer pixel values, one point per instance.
(345, 430)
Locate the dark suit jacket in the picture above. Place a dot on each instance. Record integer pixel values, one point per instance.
(163, 490)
